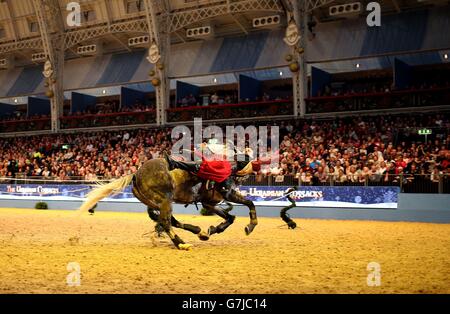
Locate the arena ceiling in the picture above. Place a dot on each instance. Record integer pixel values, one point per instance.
(111, 23)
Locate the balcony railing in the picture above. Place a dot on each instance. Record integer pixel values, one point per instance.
(419, 183)
(231, 111)
(108, 119)
(81, 121)
(31, 124)
(379, 101)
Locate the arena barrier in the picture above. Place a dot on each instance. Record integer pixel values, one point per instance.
(311, 196)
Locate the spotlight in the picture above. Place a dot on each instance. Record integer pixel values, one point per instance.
(281, 73)
(358, 65)
(445, 56)
(16, 100)
(104, 91)
(215, 80)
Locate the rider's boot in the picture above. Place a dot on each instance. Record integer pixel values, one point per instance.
(187, 166)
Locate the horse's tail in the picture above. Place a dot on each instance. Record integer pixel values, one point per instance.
(105, 190)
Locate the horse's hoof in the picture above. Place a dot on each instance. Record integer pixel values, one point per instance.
(185, 246)
(212, 230)
(249, 228)
(292, 225)
(204, 236)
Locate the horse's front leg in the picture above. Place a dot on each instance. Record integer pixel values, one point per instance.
(229, 207)
(229, 219)
(233, 196)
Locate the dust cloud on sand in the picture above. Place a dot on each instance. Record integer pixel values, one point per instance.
(119, 253)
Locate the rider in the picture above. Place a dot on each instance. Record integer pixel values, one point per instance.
(214, 168)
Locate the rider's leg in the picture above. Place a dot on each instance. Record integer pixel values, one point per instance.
(187, 166)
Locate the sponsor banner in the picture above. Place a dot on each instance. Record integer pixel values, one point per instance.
(57, 192)
(310, 196)
(325, 196)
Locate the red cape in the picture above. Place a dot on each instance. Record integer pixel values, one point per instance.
(216, 170)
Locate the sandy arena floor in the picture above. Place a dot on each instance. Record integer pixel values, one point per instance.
(117, 254)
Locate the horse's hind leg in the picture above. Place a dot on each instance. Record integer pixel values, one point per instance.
(283, 214)
(154, 215)
(165, 219)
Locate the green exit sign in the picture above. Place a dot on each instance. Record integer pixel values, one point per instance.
(425, 132)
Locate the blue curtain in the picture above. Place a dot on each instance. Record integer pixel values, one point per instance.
(185, 89)
(319, 79)
(249, 88)
(38, 106)
(81, 102)
(6, 109)
(129, 96)
(402, 74)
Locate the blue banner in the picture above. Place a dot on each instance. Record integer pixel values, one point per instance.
(57, 192)
(310, 196)
(325, 196)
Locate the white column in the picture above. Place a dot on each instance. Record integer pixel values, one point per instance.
(299, 78)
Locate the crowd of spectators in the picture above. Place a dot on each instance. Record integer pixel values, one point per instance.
(225, 98)
(216, 98)
(84, 156)
(375, 149)
(381, 85)
(19, 121)
(108, 107)
(349, 97)
(113, 106)
(22, 116)
(353, 150)
(346, 89)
